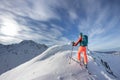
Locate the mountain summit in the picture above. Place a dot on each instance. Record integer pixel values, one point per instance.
(16, 54)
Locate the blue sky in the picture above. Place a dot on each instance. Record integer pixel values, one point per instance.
(53, 22)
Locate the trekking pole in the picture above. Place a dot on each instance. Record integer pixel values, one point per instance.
(71, 55)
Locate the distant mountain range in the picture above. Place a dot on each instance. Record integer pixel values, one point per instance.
(16, 54)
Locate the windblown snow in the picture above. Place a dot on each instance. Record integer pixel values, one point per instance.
(53, 64)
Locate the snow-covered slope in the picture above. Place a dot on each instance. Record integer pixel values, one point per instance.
(53, 64)
(16, 54)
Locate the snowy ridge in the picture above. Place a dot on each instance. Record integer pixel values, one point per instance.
(54, 50)
(16, 54)
(53, 64)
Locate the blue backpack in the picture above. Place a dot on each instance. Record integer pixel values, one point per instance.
(84, 41)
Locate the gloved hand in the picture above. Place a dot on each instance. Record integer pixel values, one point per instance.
(73, 43)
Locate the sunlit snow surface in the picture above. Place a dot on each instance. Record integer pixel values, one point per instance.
(53, 64)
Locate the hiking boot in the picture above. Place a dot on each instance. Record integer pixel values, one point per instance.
(85, 65)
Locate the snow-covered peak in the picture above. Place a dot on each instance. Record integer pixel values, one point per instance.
(16, 54)
(27, 42)
(1, 45)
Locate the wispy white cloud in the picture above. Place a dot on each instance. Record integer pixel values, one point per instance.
(43, 33)
(99, 22)
(8, 39)
(105, 43)
(54, 21)
(10, 30)
(39, 9)
(9, 26)
(73, 15)
(96, 31)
